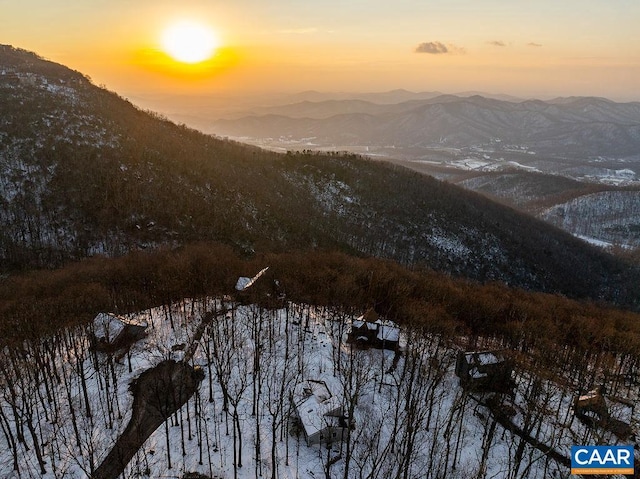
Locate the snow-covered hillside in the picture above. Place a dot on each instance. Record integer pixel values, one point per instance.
(609, 217)
(63, 406)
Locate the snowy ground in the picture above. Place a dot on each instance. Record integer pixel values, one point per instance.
(412, 418)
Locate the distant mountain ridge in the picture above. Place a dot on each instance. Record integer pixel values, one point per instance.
(568, 126)
(84, 172)
(387, 97)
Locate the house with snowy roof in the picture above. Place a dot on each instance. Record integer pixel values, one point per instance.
(370, 331)
(319, 412)
(484, 371)
(613, 414)
(244, 282)
(266, 292)
(111, 332)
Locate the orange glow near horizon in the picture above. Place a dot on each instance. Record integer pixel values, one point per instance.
(162, 63)
(541, 49)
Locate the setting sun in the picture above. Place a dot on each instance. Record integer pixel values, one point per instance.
(189, 42)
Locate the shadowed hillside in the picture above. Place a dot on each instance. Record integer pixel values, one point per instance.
(84, 172)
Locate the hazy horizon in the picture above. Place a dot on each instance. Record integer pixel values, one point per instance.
(543, 49)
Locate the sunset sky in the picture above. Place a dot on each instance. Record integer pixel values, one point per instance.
(527, 48)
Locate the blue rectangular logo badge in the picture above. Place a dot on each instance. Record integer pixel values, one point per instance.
(602, 460)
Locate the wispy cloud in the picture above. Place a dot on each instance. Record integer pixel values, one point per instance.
(438, 48)
(497, 43)
(533, 44)
(299, 31)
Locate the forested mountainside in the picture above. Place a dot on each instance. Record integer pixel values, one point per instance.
(601, 214)
(84, 172)
(611, 216)
(523, 152)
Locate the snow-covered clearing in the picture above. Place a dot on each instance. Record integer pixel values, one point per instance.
(63, 407)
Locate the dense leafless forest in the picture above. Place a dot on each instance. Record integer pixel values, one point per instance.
(413, 417)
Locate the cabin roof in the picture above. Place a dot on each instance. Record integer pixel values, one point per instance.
(388, 333)
(483, 358)
(316, 406)
(108, 326)
(244, 282)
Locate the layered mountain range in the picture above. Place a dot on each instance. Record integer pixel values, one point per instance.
(571, 127)
(539, 156)
(84, 172)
